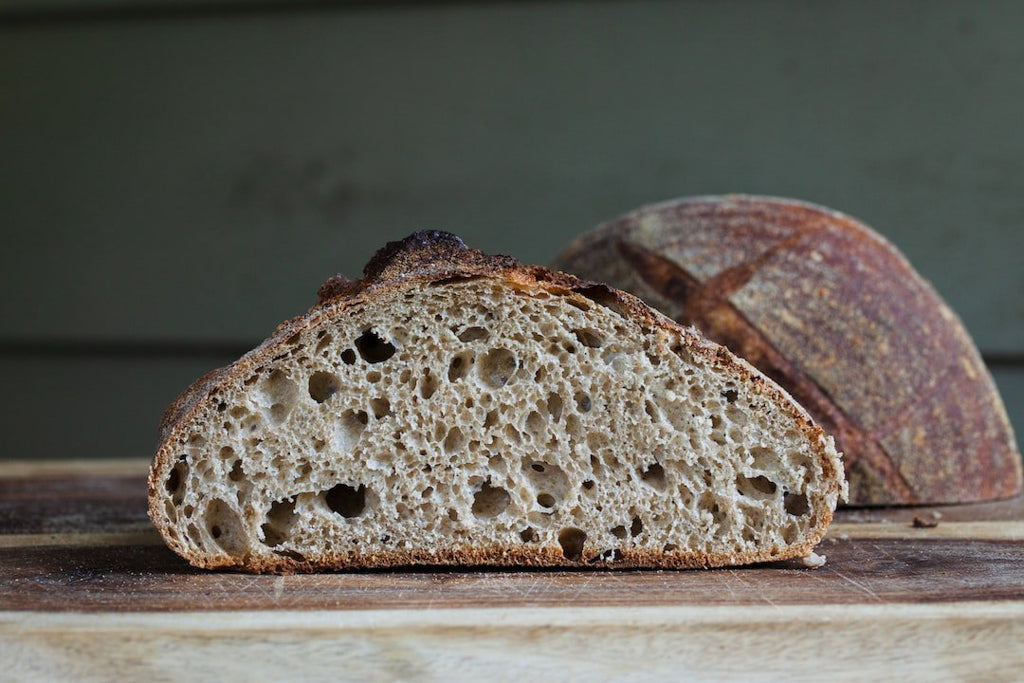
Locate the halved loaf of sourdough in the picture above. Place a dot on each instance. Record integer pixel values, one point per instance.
(456, 408)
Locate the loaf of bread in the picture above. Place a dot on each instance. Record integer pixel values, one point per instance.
(457, 408)
(836, 315)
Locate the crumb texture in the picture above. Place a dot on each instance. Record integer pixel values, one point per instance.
(471, 422)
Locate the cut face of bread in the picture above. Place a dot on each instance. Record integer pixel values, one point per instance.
(453, 408)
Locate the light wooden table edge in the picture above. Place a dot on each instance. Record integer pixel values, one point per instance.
(112, 467)
(254, 621)
(975, 640)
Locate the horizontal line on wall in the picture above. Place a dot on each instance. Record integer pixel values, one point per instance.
(101, 12)
(997, 359)
(115, 349)
(229, 350)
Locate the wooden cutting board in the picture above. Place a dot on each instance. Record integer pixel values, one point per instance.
(88, 591)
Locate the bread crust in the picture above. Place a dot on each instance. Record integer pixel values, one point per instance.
(429, 257)
(835, 314)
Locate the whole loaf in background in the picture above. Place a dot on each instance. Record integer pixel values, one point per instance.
(835, 314)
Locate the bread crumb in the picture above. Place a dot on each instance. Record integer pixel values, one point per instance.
(924, 523)
(936, 514)
(813, 561)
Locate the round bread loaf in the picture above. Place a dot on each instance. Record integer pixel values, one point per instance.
(835, 314)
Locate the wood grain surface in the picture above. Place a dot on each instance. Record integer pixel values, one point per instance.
(88, 591)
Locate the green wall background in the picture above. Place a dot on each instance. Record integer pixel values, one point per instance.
(176, 180)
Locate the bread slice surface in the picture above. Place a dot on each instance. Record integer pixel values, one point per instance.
(457, 408)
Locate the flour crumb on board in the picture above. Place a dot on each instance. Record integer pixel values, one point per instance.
(813, 561)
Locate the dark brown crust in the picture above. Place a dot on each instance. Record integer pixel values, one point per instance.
(814, 299)
(431, 257)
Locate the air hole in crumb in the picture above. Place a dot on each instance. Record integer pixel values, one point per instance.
(796, 504)
(472, 334)
(459, 366)
(281, 393)
(348, 429)
(595, 464)
(554, 405)
(373, 348)
(671, 547)
(654, 476)
(730, 395)
(546, 500)
(236, 473)
(346, 500)
(609, 555)
(291, 554)
(619, 531)
(537, 467)
(279, 522)
(429, 384)
(637, 527)
(381, 407)
(535, 423)
(490, 501)
(323, 385)
(176, 480)
(497, 367)
(491, 419)
(583, 403)
(528, 535)
(455, 440)
(588, 485)
(590, 338)
(225, 527)
(753, 486)
(348, 356)
(453, 514)
(572, 541)
(325, 340)
(173, 480)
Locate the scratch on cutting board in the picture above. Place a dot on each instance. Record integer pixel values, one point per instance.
(278, 588)
(746, 584)
(884, 553)
(728, 584)
(858, 585)
(529, 590)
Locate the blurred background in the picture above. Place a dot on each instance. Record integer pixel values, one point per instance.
(175, 179)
